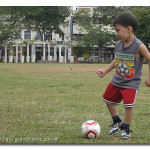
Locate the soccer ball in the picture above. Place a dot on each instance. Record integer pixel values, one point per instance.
(90, 129)
(123, 69)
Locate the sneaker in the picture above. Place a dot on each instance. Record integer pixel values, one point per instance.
(126, 133)
(115, 128)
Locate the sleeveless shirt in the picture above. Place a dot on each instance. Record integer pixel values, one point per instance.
(128, 67)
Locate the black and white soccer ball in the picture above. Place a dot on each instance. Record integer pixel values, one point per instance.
(122, 69)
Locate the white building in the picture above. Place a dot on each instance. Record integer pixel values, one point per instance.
(53, 49)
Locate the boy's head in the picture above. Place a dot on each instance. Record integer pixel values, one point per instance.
(125, 24)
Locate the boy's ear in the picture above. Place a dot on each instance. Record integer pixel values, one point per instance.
(130, 28)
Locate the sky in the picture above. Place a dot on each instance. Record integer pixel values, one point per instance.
(74, 3)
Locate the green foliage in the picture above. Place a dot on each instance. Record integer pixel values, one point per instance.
(107, 14)
(80, 48)
(94, 24)
(141, 12)
(83, 19)
(44, 19)
(9, 27)
(6, 34)
(96, 34)
(143, 31)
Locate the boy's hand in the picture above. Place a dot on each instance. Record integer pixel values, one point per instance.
(101, 73)
(147, 82)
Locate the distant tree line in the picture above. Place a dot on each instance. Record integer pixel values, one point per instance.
(96, 25)
(44, 19)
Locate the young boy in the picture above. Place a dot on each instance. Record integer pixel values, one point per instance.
(128, 62)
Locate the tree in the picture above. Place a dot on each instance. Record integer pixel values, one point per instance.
(108, 13)
(96, 34)
(97, 25)
(44, 19)
(141, 12)
(143, 30)
(8, 28)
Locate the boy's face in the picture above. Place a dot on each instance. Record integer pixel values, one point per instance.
(122, 32)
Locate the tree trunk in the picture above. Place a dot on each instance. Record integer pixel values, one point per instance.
(99, 54)
(41, 34)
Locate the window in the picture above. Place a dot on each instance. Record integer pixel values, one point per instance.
(74, 21)
(63, 37)
(51, 37)
(48, 37)
(27, 35)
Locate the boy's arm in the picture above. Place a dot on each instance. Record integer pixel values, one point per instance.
(145, 53)
(102, 72)
(147, 82)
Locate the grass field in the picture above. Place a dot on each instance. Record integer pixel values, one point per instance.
(48, 103)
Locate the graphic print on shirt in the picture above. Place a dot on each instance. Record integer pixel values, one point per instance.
(124, 65)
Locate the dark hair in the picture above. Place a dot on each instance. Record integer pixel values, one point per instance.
(126, 19)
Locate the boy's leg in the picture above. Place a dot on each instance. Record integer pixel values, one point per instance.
(129, 96)
(112, 109)
(117, 122)
(112, 97)
(129, 111)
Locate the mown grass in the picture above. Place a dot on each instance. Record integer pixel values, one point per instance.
(47, 103)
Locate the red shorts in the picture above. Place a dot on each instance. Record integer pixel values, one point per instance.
(114, 95)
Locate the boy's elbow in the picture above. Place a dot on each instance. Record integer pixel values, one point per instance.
(148, 59)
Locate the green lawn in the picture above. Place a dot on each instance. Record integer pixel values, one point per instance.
(48, 103)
